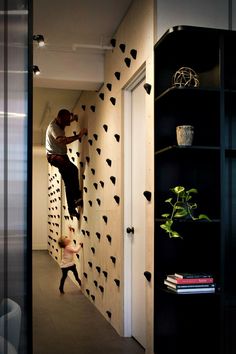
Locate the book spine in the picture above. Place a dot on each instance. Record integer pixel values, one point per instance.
(192, 286)
(191, 276)
(194, 281)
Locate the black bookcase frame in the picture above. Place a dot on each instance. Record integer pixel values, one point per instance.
(196, 323)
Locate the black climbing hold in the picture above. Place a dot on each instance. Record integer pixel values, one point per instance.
(74, 132)
(113, 42)
(147, 275)
(113, 100)
(117, 199)
(109, 86)
(113, 259)
(98, 151)
(70, 150)
(90, 264)
(98, 201)
(105, 127)
(117, 75)
(90, 202)
(83, 176)
(102, 183)
(85, 218)
(95, 136)
(93, 108)
(87, 291)
(87, 232)
(90, 141)
(133, 53)
(98, 269)
(93, 297)
(117, 281)
(109, 162)
(83, 107)
(87, 158)
(108, 313)
(147, 88)
(117, 137)
(73, 159)
(85, 189)
(105, 273)
(95, 185)
(101, 95)
(98, 235)
(95, 283)
(122, 47)
(101, 288)
(81, 164)
(93, 171)
(77, 256)
(78, 153)
(148, 195)
(127, 61)
(93, 249)
(105, 218)
(85, 275)
(113, 179)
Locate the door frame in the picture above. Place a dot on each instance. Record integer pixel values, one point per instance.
(127, 92)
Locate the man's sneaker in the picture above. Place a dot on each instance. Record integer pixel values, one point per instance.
(75, 213)
(79, 202)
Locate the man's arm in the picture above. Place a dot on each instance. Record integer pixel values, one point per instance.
(69, 139)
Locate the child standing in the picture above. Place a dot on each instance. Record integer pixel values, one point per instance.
(67, 262)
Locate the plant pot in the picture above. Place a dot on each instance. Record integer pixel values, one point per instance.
(184, 135)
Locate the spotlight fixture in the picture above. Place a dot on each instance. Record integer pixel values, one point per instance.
(40, 39)
(36, 70)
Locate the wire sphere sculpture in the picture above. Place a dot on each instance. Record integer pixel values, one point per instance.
(185, 77)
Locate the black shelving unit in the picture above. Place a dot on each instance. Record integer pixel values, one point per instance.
(196, 323)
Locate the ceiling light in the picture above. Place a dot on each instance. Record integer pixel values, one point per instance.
(40, 39)
(36, 70)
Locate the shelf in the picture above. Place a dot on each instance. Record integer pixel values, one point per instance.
(186, 92)
(230, 152)
(189, 148)
(159, 220)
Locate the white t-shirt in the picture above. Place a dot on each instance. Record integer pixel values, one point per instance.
(52, 145)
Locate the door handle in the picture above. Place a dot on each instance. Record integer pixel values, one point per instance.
(130, 230)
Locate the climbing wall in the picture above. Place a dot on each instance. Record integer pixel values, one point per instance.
(54, 212)
(99, 157)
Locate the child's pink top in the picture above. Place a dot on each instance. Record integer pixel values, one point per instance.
(68, 256)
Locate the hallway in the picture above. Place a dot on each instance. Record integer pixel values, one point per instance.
(69, 323)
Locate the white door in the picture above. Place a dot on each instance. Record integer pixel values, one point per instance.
(135, 170)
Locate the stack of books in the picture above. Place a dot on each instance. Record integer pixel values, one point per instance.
(190, 283)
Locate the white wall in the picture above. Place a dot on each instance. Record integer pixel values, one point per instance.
(40, 199)
(205, 13)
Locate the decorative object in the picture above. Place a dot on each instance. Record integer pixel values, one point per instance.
(184, 135)
(182, 207)
(185, 77)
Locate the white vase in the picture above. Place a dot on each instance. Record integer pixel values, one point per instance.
(184, 135)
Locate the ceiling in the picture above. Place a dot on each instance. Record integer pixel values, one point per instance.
(77, 34)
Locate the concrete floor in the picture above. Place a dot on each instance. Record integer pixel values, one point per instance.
(69, 323)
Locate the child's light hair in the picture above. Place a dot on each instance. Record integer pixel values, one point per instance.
(61, 241)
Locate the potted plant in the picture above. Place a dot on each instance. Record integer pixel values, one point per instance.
(182, 206)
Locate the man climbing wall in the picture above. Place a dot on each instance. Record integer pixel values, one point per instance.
(56, 147)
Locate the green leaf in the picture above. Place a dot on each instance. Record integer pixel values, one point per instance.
(181, 213)
(165, 215)
(165, 227)
(175, 234)
(203, 216)
(178, 189)
(192, 190)
(168, 200)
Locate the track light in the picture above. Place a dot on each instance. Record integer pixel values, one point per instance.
(40, 39)
(36, 70)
